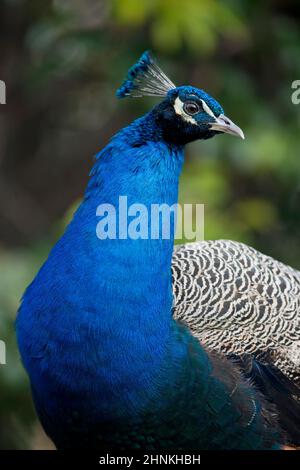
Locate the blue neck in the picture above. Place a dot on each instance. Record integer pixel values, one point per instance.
(126, 284)
(139, 165)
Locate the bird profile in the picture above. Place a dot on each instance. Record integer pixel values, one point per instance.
(192, 105)
(115, 350)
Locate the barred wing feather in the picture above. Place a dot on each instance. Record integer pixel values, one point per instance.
(245, 304)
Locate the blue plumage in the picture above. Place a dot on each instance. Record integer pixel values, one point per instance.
(136, 71)
(145, 78)
(109, 367)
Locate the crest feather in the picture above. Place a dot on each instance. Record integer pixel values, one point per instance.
(145, 78)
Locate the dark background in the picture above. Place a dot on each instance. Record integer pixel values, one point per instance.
(62, 61)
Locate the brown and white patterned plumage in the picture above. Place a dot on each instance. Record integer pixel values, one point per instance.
(247, 305)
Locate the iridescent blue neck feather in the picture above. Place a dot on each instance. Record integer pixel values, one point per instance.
(117, 294)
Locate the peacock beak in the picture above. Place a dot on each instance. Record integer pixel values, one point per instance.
(224, 124)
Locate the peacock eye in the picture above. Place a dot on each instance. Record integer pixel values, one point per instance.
(191, 108)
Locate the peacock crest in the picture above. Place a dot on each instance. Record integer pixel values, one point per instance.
(145, 78)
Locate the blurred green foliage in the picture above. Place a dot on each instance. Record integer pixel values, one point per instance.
(62, 61)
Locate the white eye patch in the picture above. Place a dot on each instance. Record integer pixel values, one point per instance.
(178, 107)
(207, 109)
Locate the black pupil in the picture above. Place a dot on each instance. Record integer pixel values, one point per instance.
(191, 108)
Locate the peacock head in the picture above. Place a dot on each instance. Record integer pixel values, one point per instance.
(186, 113)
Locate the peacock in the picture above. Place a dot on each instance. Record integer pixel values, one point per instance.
(129, 344)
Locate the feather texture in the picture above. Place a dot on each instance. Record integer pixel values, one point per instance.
(145, 78)
(242, 303)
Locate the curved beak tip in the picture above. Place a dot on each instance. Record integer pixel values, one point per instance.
(225, 125)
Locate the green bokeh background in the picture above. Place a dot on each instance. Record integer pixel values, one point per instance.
(62, 61)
